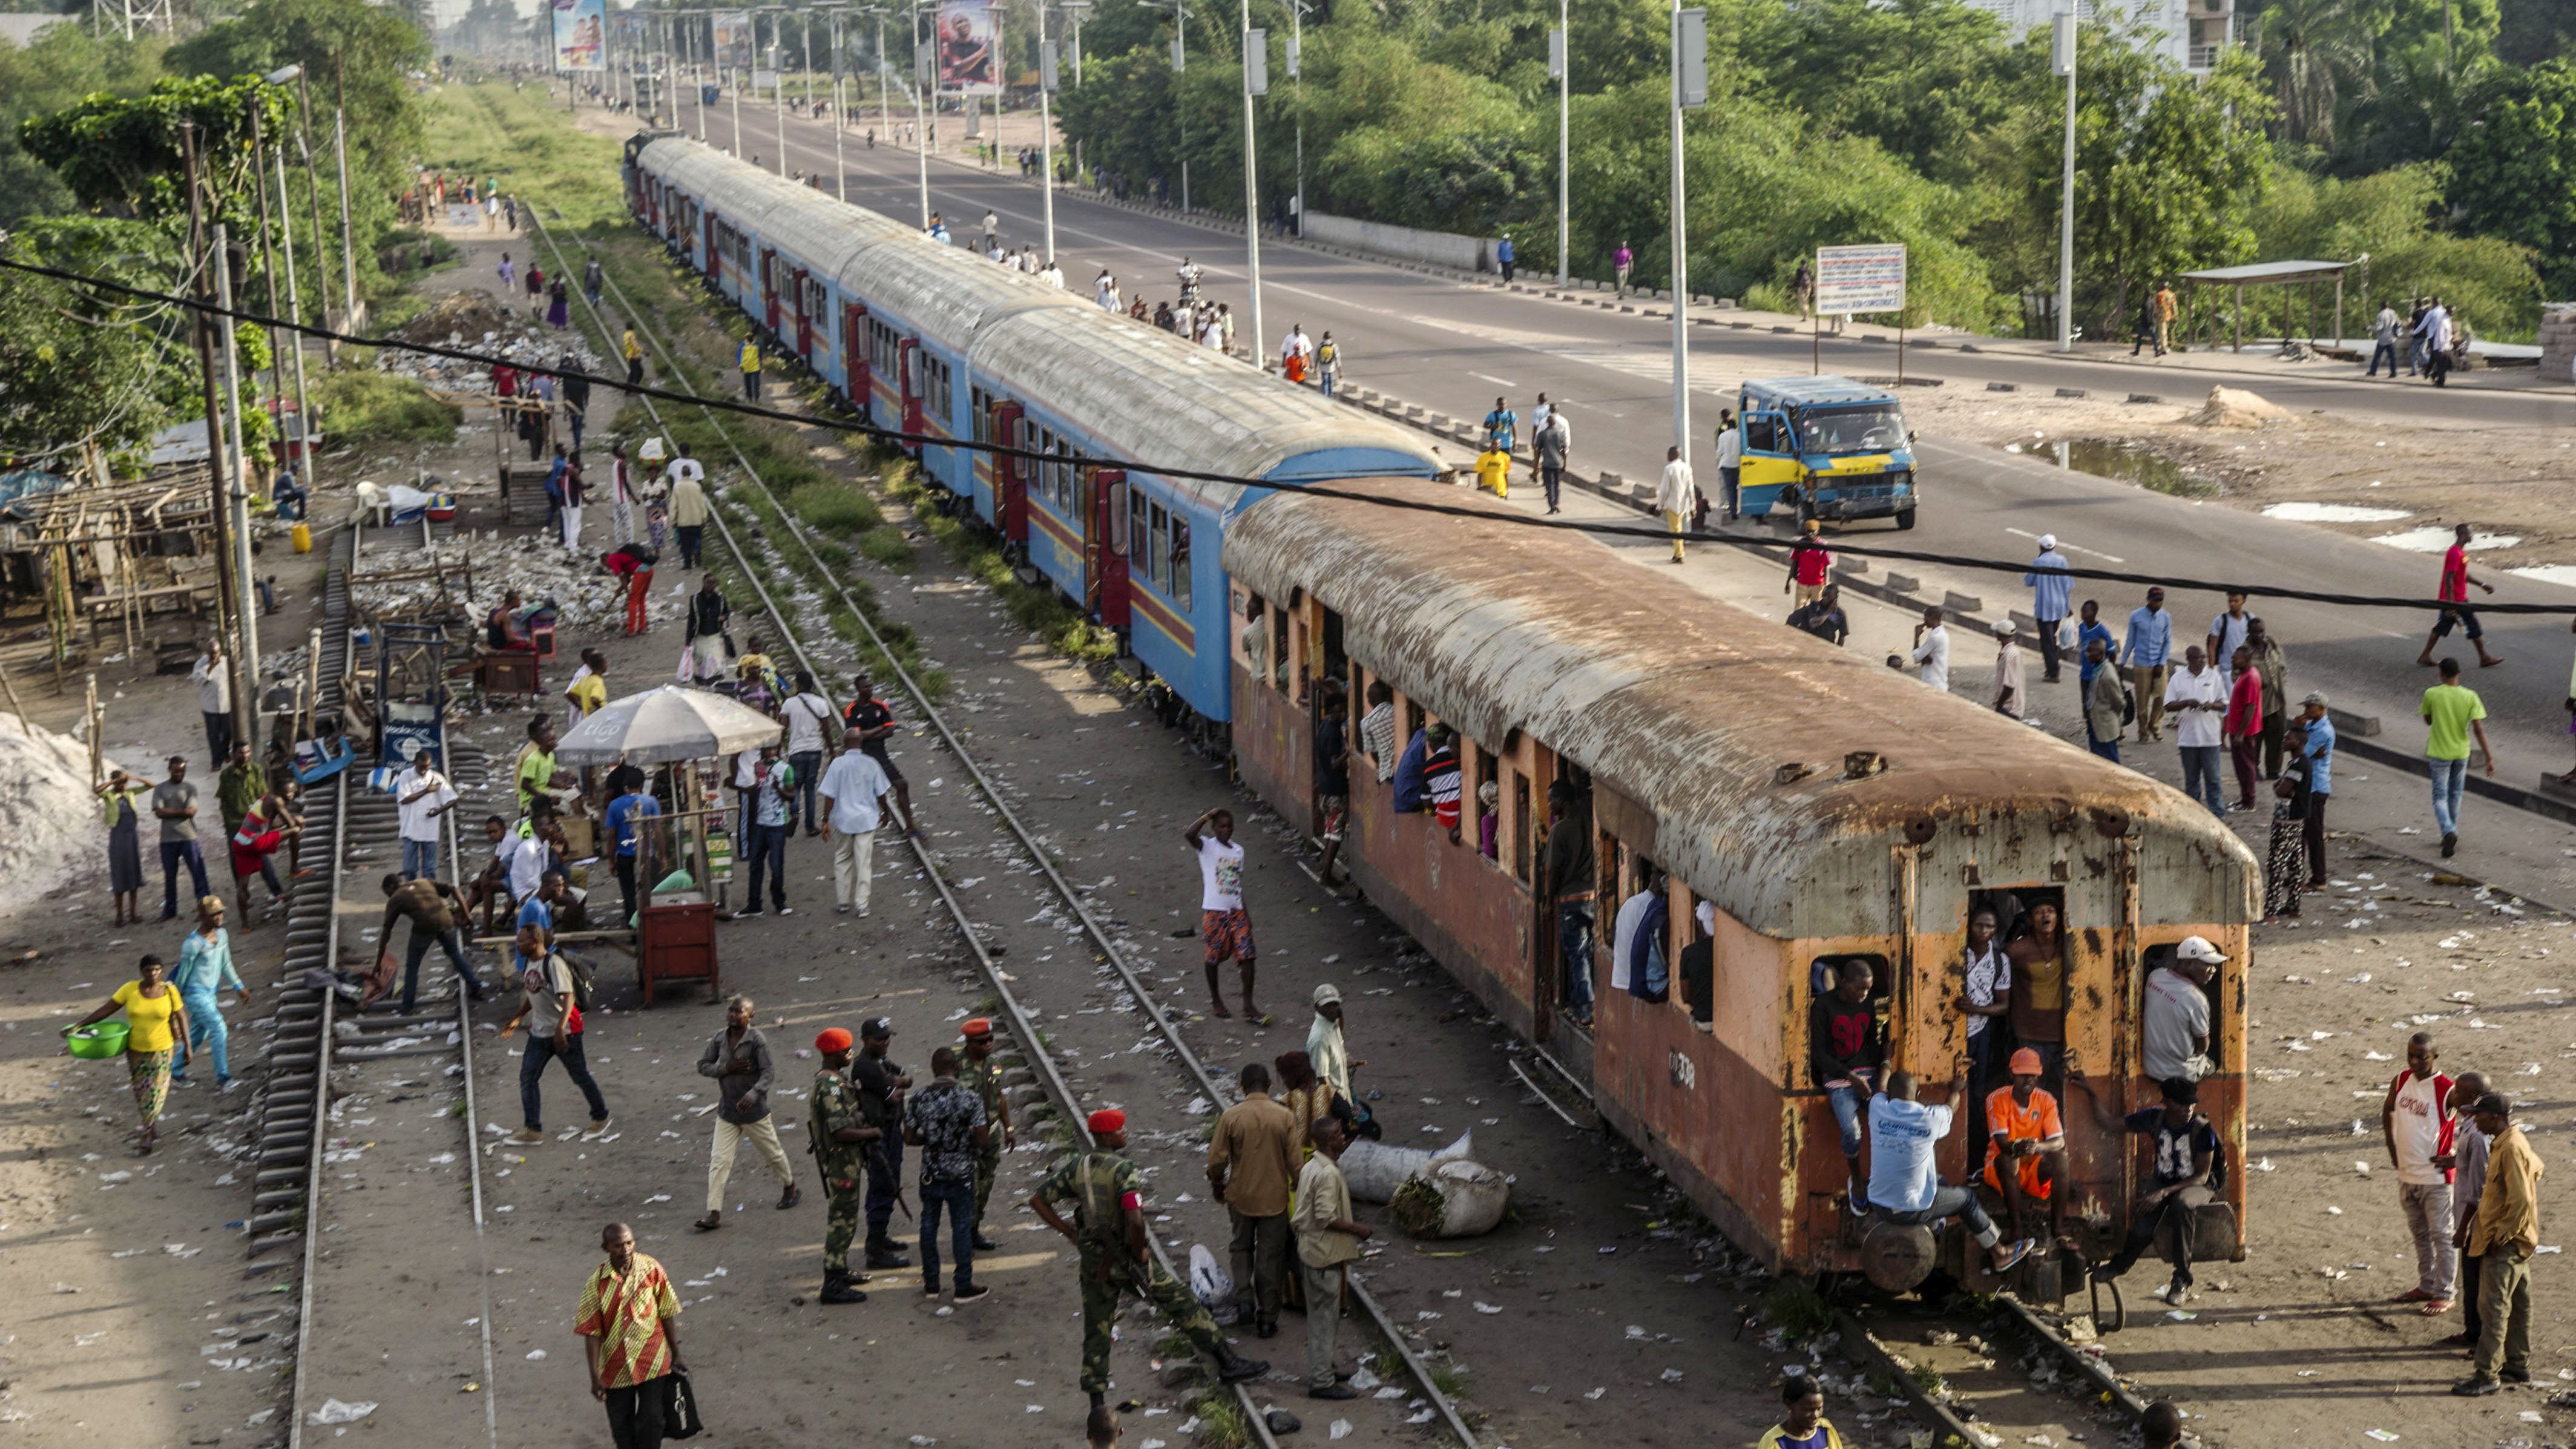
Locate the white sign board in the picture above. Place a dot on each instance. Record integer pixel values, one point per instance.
(1853, 280)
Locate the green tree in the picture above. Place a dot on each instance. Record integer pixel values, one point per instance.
(2319, 55)
(2387, 222)
(2513, 175)
(59, 66)
(125, 156)
(1920, 77)
(83, 364)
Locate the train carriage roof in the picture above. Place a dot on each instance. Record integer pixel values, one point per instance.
(1731, 731)
(1153, 398)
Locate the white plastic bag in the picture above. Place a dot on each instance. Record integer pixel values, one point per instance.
(688, 664)
(1376, 1170)
(1213, 1285)
(1472, 1199)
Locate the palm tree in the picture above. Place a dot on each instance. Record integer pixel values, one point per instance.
(2319, 54)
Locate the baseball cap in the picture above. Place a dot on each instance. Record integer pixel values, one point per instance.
(2197, 948)
(2315, 696)
(876, 1028)
(2495, 1104)
(2047, 541)
(1328, 994)
(2006, 628)
(2026, 1060)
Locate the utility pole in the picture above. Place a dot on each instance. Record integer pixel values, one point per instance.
(1296, 59)
(734, 86)
(236, 499)
(1690, 91)
(777, 72)
(202, 283)
(1046, 132)
(924, 71)
(294, 313)
(1560, 67)
(1256, 81)
(840, 111)
(348, 236)
(697, 76)
(268, 265)
(2063, 53)
(313, 196)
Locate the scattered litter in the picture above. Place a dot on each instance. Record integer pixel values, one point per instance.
(1341, 1429)
(1671, 1376)
(536, 1355)
(335, 1412)
(2382, 1435)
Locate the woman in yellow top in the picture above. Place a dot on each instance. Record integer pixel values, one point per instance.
(1308, 1098)
(156, 1023)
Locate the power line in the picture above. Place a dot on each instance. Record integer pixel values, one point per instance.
(1644, 532)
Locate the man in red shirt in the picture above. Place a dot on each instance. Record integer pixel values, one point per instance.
(633, 562)
(2456, 579)
(1809, 566)
(2243, 726)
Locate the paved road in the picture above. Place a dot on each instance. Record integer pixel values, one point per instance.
(1452, 347)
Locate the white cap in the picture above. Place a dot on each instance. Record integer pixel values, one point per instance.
(1327, 994)
(2197, 948)
(2006, 628)
(2047, 541)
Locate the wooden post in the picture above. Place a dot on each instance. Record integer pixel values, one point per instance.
(2238, 332)
(97, 727)
(2338, 308)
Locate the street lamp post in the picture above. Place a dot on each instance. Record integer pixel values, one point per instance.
(777, 72)
(1296, 72)
(1046, 134)
(1074, 11)
(1560, 65)
(923, 71)
(840, 120)
(1690, 91)
(2063, 54)
(1256, 82)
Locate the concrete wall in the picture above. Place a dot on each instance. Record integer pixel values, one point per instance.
(1404, 244)
(2558, 342)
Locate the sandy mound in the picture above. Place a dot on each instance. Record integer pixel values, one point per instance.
(55, 829)
(466, 316)
(2230, 407)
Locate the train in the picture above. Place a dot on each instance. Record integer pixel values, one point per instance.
(1823, 808)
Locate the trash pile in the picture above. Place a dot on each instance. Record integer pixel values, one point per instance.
(477, 321)
(536, 565)
(54, 828)
(2233, 407)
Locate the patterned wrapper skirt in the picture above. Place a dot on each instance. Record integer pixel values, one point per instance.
(2282, 864)
(150, 1072)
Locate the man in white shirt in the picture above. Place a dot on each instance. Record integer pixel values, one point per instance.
(2176, 1028)
(2196, 699)
(1212, 336)
(688, 505)
(421, 797)
(1677, 494)
(1932, 651)
(215, 701)
(854, 804)
(1730, 463)
(2009, 698)
(1053, 275)
(1225, 926)
(992, 231)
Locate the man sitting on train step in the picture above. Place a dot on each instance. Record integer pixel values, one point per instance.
(2185, 1179)
(1845, 1047)
(1904, 1185)
(2023, 1130)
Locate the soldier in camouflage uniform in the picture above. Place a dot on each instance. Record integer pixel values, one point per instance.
(1109, 1232)
(839, 1141)
(984, 1079)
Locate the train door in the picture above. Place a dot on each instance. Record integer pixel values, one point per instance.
(804, 322)
(907, 373)
(1011, 474)
(854, 358)
(769, 290)
(715, 257)
(1104, 549)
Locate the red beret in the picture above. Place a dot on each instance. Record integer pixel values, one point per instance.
(976, 1027)
(1108, 1119)
(833, 1039)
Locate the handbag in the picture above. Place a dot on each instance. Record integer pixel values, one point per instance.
(680, 1418)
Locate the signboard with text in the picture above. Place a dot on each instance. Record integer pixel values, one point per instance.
(1862, 279)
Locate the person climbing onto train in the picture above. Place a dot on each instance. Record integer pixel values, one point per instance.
(1905, 1183)
(1845, 1048)
(2185, 1178)
(1570, 881)
(1224, 924)
(2023, 1128)
(1803, 1424)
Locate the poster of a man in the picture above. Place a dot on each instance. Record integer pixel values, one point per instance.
(967, 60)
(732, 39)
(581, 34)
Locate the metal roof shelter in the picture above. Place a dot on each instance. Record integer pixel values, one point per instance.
(2272, 274)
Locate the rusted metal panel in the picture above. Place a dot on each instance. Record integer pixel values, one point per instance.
(1732, 731)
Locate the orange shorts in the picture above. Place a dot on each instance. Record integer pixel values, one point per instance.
(2033, 1186)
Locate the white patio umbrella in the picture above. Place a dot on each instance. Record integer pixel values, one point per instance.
(664, 726)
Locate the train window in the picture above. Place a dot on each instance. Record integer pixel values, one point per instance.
(1139, 542)
(1158, 562)
(1415, 717)
(1698, 973)
(1825, 975)
(1179, 572)
(1067, 484)
(1486, 770)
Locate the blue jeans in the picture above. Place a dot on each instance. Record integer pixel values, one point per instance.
(768, 852)
(2200, 777)
(1954, 1202)
(885, 1184)
(173, 852)
(1848, 1105)
(2450, 777)
(1574, 943)
(543, 1049)
(808, 765)
(420, 859)
(206, 1032)
(2387, 350)
(2107, 749)
(454, 942)
(959, 1199)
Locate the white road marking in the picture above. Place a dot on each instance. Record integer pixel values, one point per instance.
(1496, 381)
(2070, 547)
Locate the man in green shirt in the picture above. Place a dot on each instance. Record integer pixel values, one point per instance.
(239, 786)
(2452, 712)
(537, 762)
(839, 1139)
(1109, 1232)
(983, 1076)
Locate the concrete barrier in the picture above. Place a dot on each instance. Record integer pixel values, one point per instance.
(1402, 243)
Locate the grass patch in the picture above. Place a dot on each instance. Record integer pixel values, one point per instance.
(887, 545)
(836, 508)
(1449, 1377)
(362, 405)
(1795, 1308)
(1034, 607)
(1221, 1423)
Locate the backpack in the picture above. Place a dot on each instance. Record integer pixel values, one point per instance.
(2128, 703)
(585, 982)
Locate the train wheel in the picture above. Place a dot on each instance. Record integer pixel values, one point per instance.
(2118, 1317)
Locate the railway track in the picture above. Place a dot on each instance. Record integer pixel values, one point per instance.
(1974, 1399)
(330, 1060)
(1017, 842)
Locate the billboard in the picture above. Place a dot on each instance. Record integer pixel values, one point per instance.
(968, 48)
(733, 39)
(1862, 279)
(581, 34)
